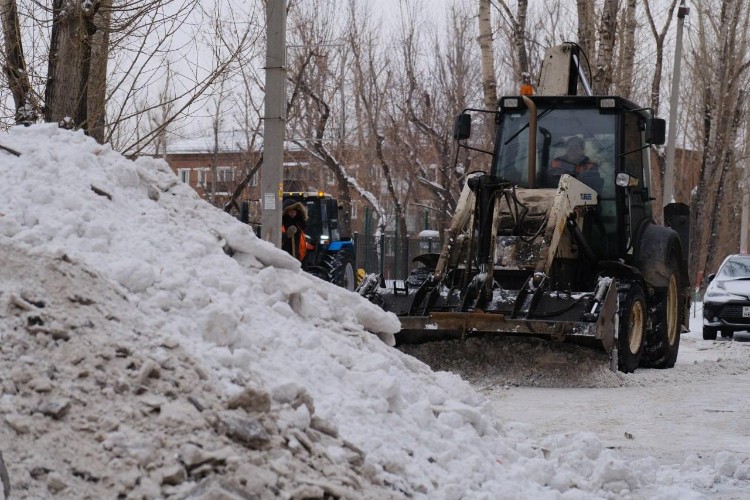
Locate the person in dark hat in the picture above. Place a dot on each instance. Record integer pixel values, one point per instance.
(293, 226)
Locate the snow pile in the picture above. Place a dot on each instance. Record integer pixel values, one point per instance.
(153, 347)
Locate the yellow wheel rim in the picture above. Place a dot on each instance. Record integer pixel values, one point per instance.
(636, 327)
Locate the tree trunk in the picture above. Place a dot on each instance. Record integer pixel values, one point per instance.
(26, 107)
(627, 60)
(603, 73)
(489, 80)
(519, 39)
(62, 94)
(586, 25)
(97, 82)
(70, 58)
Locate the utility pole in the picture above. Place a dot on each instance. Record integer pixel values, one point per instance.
(668, 196)
(274, 122)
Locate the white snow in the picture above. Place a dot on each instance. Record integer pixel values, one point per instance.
(254, 316)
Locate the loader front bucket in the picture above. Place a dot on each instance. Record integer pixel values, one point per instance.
(583, 318)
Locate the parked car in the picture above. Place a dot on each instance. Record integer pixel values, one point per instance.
(726, 303)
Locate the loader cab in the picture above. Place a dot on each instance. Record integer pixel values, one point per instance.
(612, 135)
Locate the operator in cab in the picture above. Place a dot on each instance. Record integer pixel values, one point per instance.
(575, 162)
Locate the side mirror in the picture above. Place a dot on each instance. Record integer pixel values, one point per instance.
(711, 277)
(462, 127)
(656, 131)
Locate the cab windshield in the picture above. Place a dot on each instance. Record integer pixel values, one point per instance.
(579, 142)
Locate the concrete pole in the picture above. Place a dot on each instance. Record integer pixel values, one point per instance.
(274, 123)
(673, 103)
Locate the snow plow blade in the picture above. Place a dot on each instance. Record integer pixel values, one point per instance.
(586, 320)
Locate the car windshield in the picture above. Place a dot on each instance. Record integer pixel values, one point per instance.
(557, 130)
(735, 268)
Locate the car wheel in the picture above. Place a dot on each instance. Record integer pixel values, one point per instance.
(727, 334)
(663, 344)
(632, 328)
(709, 333)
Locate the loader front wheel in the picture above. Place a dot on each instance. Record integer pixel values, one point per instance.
(631, 334)
(666, 320)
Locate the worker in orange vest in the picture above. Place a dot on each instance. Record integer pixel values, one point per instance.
(293, 226)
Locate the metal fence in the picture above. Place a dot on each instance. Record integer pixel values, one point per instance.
(391, 256)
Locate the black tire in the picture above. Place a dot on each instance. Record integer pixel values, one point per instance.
(709, 333)
(632, 328)
(727, 334)
(339, 269)
(667, 317)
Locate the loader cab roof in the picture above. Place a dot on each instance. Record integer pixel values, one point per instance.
(605, 104)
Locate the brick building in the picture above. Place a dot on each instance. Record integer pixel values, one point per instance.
(215, 168)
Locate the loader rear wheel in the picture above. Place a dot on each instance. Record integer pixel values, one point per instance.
(666, 319)
(339, 269)
(631, 333)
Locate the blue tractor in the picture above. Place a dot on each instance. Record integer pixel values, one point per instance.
(330, 256)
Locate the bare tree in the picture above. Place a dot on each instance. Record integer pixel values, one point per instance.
(101, 60)
(659, 37)
(433, 99)
(719, 63)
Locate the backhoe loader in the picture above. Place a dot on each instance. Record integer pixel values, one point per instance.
(553, 245)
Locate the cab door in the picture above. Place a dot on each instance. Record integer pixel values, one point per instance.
(634, 201)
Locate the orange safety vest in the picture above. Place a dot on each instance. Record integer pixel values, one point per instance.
(301, 247)
(584, 165)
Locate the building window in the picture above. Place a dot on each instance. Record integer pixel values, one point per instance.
(202, 176)
(225, 174)
(254, 179)
(330, 178)
(224, 180)
(296, 171)
(354, 211)
(184, 175)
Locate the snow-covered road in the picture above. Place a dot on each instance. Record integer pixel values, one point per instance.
(698, 409)
(668, 415)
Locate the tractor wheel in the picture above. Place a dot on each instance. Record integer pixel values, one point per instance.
(667, 313)
(632, 329)
(709, 333)
(339, 269)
